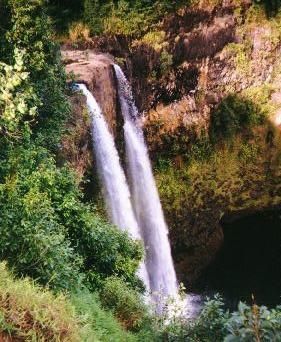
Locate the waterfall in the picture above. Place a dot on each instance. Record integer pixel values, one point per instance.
(146, 202)
(115, 188)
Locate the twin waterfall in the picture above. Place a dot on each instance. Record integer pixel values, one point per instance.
(138, 209)
(115, 188)
(145, 197)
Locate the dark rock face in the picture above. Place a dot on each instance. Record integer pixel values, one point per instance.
(76, 145)
(193, 36)
(196, 34)
(207, 40)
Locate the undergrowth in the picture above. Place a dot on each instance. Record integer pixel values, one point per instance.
(32, 313)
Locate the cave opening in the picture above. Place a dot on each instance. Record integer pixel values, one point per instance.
(248, 264)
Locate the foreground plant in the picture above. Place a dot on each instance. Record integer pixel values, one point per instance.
(31, 313)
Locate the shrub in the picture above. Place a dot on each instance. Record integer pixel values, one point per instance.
(127, 17)
(94, 13)
(209, 326)
(124, 302)
(155, 39)
(63, 13)
(49, 234)
(272, 8)
(32, 239)
(105, 249)
(29, 312)
(234, 115)
(254, 324)
(28, 28)
(166, 61)
(18, 102)
(214, 323)
(79, 31)
(98, 324)
(128, 20)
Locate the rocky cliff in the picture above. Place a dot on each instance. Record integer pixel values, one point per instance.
(208, 82)
(96, 71)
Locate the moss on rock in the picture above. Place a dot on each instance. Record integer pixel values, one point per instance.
(235, 177)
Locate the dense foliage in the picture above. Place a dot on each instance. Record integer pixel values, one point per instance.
(128, 17)
(18, 102)
(234, 115)
(124, 302)
(214, 323)
(28, 29)
(31, 312)
(132, 17)
(48, 233)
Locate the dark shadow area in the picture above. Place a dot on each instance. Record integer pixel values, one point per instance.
(64, 12)
(249, 262)
(271, 6)
(235, 114)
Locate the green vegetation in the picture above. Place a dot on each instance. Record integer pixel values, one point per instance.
(98, 324)
(211, 180)
(216, 324)
(128, 17)
(74, 275)
(124, 302)
(271, 6)
(32, 313)
(28, 29)
(233, 115)
(156, 39)
(64, 13)
(49, 233)
(17, 100)
(242, 53)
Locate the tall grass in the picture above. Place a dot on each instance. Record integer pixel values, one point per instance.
(98, 324)
(33, 313)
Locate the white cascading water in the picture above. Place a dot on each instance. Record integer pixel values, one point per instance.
(116, 191)
(146, 200)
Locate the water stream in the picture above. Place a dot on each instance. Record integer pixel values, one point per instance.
(141, 214)
(114, 184)
(145, 196)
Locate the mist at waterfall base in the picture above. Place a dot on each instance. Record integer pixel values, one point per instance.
(114, 184)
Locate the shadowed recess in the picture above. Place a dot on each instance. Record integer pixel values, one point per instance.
(249, 262)
(271, 6)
